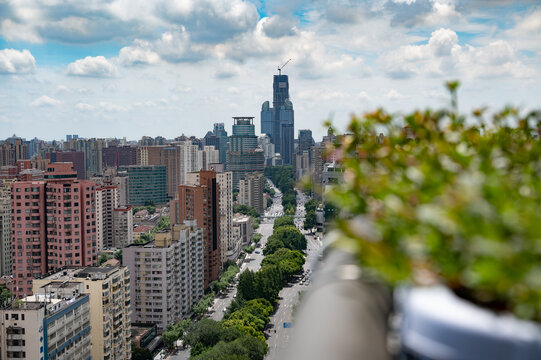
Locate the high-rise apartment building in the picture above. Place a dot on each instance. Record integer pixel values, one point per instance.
(53, 324)
(121, 182)
(267, 146)
(202, 203)
(109, 291)
(146, 184)
(221, 134)
(53, 225)
(77, 158)
(251, 189)
(225, 182)
(106, 201)
(93, 150)
(122, 226)
(166, 275)
(5, 227)
(209, 155)
(119, 156)
(12, 150)
(244, 156)
(278, 121)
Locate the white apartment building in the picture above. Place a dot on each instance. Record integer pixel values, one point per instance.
(53, 324)
(109, 291)
(167, 275)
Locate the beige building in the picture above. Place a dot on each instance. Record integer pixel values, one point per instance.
(243, 230)
(106, 201)
(114, 222)
(209, 155)
(167, 275)
(53, 324)
(122, 226)
(251, 189)
(109, 290)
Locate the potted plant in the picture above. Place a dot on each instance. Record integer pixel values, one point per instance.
(452, 204)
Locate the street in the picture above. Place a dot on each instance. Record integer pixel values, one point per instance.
(282, 319)
(277, 335)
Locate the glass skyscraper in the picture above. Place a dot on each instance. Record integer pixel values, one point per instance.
(278, 122)
(244, 156)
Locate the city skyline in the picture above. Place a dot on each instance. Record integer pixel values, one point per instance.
(130, 70)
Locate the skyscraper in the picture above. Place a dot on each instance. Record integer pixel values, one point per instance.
(278, 122)
(202, 203)
(54, 225)
(244, 156)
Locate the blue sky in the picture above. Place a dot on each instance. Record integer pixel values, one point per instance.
(133, 67)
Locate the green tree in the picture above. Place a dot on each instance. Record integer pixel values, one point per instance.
(310, 220)
(272, 245)
(246, 210)
(175, 332)
(289, 262)
(257, 238)
(163, 224)
(311, 205)
(283, 221)
(118, 255)
(291, 237)
(203, 305)
(144, 238)
(139, 353)
(5, 296)
(246, 287)
(103, 258)
(206, 332)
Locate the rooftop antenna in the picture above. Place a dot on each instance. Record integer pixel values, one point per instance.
(281, 67)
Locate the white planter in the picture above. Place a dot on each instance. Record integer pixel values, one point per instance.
(437, 324)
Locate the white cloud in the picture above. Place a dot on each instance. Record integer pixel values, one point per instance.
(62, 89)
(16, 62)
(227, 71)
(442, 56)
(277, 26)
(111, 107)
(84, 107)
(394, 95)
(14, 31)
(139, 53)
(97, 66)
(363, 95)
(148, 104)
(45, 101)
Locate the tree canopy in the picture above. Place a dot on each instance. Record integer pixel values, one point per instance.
(283, 221)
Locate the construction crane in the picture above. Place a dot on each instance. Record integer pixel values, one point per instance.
(281, 67)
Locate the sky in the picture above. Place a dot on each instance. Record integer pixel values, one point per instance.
(129, 68)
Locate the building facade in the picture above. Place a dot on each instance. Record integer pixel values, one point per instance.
(278, 121)
(122, 226)
(106, 201)
(49, 325)
(77, 158)
(5, 227)
(225, 183)
(167, 275)
(251, 190)
(109, 296)
(243, 155)
(202, 203)
(146, 184)
(119, 156)
(53, 225)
